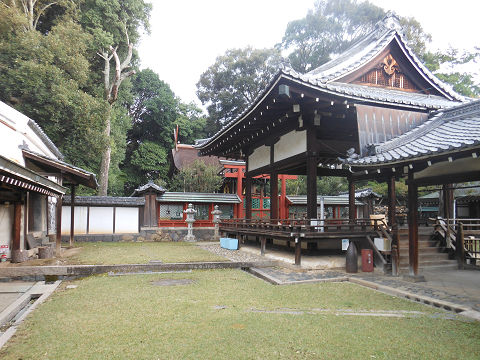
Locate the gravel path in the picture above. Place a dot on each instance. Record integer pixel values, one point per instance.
(232, 255)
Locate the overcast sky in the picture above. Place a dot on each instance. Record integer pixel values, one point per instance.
(187, 36)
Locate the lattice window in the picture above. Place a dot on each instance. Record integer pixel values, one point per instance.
(328, 212)
(227, 211)
(266, 203)
(297, 212)
(171, 211)
(202, 211)
(255, 203)
(344, 212)
(388, 74)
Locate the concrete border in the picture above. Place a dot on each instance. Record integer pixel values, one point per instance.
(446, 305)
(85, 270)
(41, 291)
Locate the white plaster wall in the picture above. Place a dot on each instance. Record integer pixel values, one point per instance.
(80, 224)
(260, 157)
(101, 220)
(6, 226)
(290, 144)
(126, 220)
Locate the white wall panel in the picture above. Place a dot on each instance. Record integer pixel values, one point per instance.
(126, 220)
(260, 157)
(290, 144)
(6, 225)
(101, 220)
(80, 225)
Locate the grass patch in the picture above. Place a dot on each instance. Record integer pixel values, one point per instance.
(110, 253)
(212, 318)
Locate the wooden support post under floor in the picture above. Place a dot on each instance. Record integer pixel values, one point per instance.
(298, 252)
(263, 241)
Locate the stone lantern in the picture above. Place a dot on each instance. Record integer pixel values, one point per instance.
(216, 221)
(190, 220)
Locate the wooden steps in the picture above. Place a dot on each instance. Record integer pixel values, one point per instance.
(430, 254)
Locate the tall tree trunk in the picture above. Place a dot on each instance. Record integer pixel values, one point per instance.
(105, 164)
(110, 87)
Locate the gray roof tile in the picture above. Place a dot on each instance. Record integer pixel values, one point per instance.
(451, 129)
(105, 201)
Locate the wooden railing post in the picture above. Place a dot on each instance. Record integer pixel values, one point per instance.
(460, 247)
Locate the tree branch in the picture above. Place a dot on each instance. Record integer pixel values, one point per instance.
(41, 12)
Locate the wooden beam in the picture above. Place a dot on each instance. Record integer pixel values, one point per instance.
(248, 197)
(17, 221)
(412, 226)
(391, 201)
(274, 195)
(58, 221)
(72, 215)
(298, 252)
(351, 200)
(311, 187)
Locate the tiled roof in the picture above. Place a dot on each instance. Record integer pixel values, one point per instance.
(327, 200)
(105, 201)
(148, 186)
(324, 78)
(90, 178)
(376, 94)
(448, 130)
(363, 193)
(199, 198)
(367, 48)
(41, 134)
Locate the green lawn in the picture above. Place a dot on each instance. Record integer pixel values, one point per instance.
(224, 314)
(109, 253)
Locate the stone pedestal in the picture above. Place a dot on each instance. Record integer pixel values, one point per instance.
(190, 220)
(216, 221)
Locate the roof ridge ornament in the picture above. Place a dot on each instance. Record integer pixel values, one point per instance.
(392, 21)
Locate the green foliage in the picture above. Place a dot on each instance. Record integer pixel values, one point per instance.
(328, 185)
(44, 76)
(197, 177)
(445, 65)
(234, 81)
(333, 26)
(329, 28)
(191, 122)
(401, 189)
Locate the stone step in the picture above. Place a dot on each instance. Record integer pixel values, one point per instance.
(425, 257)
(447, 264)
(425, 250)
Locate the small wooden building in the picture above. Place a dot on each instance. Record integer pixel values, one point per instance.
(33, 180)
(353, 117)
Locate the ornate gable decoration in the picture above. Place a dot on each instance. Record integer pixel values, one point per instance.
(387, 74)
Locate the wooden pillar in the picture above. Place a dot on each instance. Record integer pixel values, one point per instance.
(58, 223)
(412, 225)
(248, 197)
(298, 252)
(283, 198)
(239, 213)
(263, 241)
(72, 215)
(311, 187)
(17, 223)
(274, 195)
(352, 213)
(392, 200)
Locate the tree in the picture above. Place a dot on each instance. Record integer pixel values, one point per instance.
(445, 65)
(45, 75)
(328, 185)
(197, 177)
(153, 113)
(334, 25)
(234, 81)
